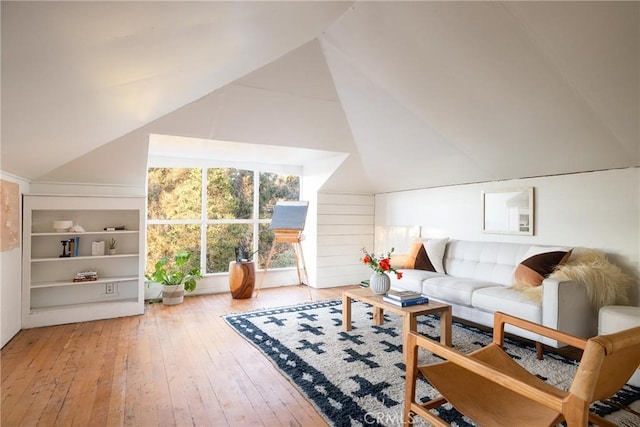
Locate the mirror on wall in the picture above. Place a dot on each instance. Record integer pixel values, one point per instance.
(508, 211)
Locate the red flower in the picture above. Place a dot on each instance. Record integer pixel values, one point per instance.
(381, 264)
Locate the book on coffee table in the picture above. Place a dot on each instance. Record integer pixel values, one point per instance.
(403, 295)
(406, 303)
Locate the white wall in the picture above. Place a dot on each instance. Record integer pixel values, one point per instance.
(10, 278)
(599, 210)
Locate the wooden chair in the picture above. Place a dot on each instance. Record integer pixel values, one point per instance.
(492, 389)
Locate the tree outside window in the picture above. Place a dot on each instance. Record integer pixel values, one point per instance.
(214, 215)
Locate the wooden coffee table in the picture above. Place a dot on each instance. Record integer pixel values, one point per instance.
(409, 314)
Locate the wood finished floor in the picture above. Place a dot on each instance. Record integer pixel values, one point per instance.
(173, 366)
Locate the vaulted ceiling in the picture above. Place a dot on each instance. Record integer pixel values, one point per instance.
(418, 94)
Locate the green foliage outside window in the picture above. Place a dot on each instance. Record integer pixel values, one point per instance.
(274, 187)
(229, 194)
(165, 240)
(221, 242)
(175, 194)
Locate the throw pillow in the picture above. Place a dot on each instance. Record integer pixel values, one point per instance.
(435, 250)
(417, 258)
(539, 263)
(427, 256)
(399, 261)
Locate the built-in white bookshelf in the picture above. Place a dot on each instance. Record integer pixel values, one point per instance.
(50, 294)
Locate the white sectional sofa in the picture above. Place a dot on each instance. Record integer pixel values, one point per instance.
(477, 281)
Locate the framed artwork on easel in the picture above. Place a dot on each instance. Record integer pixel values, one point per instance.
(287, 223)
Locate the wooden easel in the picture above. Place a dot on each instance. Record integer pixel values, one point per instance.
(288, 236)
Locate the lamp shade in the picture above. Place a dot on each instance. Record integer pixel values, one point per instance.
(62, 225)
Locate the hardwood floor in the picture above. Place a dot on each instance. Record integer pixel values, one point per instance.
(173, 366)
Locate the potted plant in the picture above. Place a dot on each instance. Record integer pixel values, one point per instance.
(176, 277)
(112, 245)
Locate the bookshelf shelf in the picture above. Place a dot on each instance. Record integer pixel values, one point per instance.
(83, 257)
(85, 233)
(99, 281)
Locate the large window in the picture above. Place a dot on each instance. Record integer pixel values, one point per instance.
(211, 211)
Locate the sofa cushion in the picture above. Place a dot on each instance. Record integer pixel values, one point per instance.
(412, 279)
(457, 290)
(507, 300)
(539, 262)
(487, 261)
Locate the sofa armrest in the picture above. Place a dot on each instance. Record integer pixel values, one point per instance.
(566, 307)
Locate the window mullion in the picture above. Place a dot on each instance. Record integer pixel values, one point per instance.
(256, 210)
(203, 223)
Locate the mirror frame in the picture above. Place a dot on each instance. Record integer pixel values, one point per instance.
(495, 201)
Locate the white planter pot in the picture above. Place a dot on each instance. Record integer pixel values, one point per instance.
(172, 294)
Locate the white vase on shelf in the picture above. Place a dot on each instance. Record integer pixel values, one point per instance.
(379, 283)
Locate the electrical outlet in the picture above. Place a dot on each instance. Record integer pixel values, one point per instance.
(109, 288)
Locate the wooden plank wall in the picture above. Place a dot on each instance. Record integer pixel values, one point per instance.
(345, 226)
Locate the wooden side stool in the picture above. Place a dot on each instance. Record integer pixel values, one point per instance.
(242, 279)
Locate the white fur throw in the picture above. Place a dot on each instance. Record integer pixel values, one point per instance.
(605, 283)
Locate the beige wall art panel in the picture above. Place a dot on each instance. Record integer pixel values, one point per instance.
(9, 215)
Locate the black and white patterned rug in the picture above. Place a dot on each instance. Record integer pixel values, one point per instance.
(356, 378)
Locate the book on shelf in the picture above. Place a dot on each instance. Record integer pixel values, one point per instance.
(403, 295)
(407, 303)
(85, 276)
(74, 244)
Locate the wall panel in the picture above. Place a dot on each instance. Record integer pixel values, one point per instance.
(345, 226)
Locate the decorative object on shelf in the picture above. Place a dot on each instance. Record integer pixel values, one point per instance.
(62, 226)
(118, 228)
(112, 245)
(97, 248)
(77, 229)
(176, 277)
(65, 254)
(380, 282)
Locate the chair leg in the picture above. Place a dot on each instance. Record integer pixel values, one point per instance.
(539, 350)
(411, 375)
